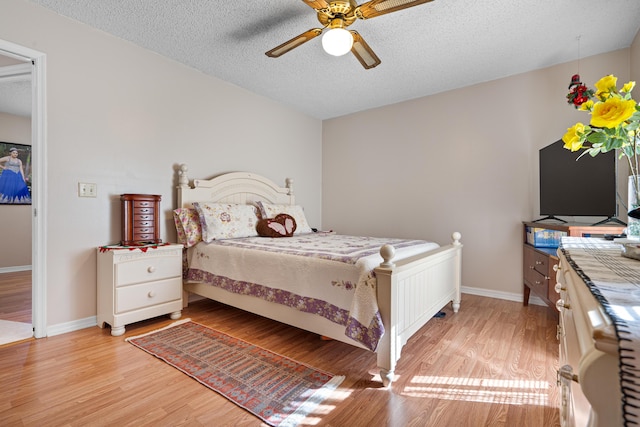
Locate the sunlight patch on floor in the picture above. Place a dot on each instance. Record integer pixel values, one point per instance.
(378, 379)
(325, 408)
(14, 331)
(485, 390)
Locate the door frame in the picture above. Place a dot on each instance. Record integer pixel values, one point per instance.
(39, 182)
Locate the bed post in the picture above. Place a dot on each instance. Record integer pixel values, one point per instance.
(183, 179)
(387, 351)
(289, 185)
(455, 304)
(183, 184)
(410, 293)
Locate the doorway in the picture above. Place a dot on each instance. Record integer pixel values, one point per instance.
(36, 62)
(15, 219)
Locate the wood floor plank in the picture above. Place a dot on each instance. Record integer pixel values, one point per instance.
(15, 296)
(491, 364)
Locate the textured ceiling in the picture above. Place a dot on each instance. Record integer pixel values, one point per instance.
(431, 48)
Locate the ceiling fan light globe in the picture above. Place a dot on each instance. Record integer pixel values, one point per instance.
(337, 41)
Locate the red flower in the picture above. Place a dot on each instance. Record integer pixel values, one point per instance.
(578, 94)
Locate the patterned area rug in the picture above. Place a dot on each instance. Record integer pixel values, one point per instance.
(276, 389)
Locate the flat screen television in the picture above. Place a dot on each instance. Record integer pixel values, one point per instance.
(571, 187)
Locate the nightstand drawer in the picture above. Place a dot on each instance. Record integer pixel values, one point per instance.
(140, 204)
(143, 295)
(142, 223)
(537, 282)
(143, 236)
(141, 211)
(142, 230)
(147, 269)
(541, 263)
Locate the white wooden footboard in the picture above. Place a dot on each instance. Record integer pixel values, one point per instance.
(410, 293)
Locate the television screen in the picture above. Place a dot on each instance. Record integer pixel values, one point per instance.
(570, 187)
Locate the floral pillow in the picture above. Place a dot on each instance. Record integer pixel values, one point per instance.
(188, 226)
(267, 210)
(226, 221)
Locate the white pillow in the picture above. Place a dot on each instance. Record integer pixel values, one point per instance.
(226, 221)
(270, 211)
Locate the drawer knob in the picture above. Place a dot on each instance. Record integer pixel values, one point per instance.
(566, 373)
(559, 288)
(151, 269)
(151, 294)
(538, 262)
(560, 305)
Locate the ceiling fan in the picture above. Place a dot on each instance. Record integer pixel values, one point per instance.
(337, 15)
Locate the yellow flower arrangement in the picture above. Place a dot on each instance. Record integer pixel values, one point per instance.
(614, 125)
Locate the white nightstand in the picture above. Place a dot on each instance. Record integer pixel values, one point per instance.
(138, 284)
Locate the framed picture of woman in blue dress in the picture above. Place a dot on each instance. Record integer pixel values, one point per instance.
(15, 174)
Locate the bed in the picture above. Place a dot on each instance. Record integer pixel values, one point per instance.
(387, 288)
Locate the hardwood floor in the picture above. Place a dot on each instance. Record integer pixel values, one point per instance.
(492, 364)
(15, 296)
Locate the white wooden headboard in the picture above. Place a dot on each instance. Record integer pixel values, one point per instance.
(233, 187)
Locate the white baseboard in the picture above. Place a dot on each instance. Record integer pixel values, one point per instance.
(509, 296)
(75, 325)
(16, 268)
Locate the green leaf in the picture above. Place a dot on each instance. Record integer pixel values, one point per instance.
(632, 126)
(597, 137)
(628, 151)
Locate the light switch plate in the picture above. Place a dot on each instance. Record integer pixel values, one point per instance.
(86, 189)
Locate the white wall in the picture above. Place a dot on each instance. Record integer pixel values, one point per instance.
(464, 160)
(15, 220)
(124, 118)
(635, 61)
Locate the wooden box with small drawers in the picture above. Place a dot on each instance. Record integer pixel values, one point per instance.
(140, 219)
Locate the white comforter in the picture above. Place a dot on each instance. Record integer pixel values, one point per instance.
(326, 274)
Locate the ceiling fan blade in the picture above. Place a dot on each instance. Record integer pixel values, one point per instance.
(294, 42)
(317, 4)
(363, 52)
(374, 8)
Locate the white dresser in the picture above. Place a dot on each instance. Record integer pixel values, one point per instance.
(138, 284)
(589, 374)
